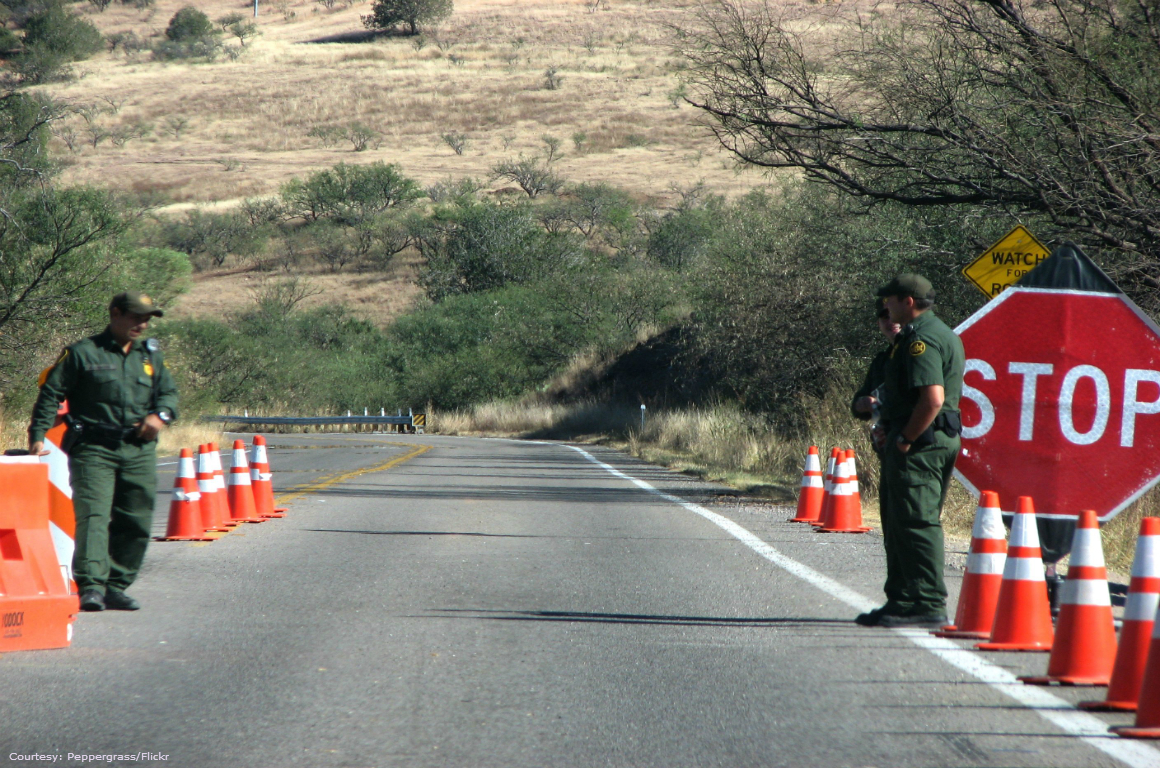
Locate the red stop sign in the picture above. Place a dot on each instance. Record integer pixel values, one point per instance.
(1061, 401)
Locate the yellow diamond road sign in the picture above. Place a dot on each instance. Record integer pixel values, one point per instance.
(1006, 261)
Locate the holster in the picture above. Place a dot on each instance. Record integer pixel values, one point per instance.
(74, 428)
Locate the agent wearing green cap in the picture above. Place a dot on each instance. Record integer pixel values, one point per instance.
(919, 408)
(120, 396)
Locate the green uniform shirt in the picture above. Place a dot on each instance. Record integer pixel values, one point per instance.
(925, 353)
(104, 386)
(875, 376)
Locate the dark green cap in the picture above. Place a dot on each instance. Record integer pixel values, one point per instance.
(908, 284)
(135, 302)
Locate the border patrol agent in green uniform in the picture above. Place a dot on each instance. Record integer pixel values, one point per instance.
(120, 396)
(922, 424)
(864, 403)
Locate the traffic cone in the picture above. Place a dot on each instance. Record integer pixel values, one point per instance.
(1085, 636)
(207, 487)
(270, 472)
(845, 517)
(855, 486)
(221, 494)
(1022, 615)
(828, 487)
(184, 513)
(1147, 725)
(261, 480)
(980, 592)
(1136, 630)
(809, 506)
(241, 493)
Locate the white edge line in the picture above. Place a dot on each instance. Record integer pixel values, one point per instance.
(1050, 707)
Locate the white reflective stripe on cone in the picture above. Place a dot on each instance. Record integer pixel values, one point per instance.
(266, 477)
(1086, 592)
(239, 478)
(812, 463)
(1086, 549)
(808, 481)
(1147, 562)
(1141, 606)
(1023, 532)
(989, 524)
(1023, 569)
(986, 563)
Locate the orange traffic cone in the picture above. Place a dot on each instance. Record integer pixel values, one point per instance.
(270, 472)
(1136, 631)
(241, 493)
(261, 480)
(809, 506)
(1147, 725)
(184, 514)
(1023, 615)
(984, 576)
(828, 487)
(855, 486)
(221, 495)
(207, 487)
(845, 517)
(1085, 636)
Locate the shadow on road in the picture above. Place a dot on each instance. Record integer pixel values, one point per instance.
(633, 618)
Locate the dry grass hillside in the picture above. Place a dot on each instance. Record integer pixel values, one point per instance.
(227, 130)
(481, 73)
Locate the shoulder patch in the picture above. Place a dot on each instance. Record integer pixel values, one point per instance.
(917, 348)
(44, 374)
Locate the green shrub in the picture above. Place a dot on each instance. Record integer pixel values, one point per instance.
(486, 246)
(207, 48)
(189, 24)
(349, 194)
(57, 29)
(212, 238)
(387, 14)
(54, 37)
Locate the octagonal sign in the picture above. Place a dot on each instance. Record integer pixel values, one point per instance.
(1061, 401)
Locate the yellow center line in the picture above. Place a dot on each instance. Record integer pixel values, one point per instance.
(325, 483)
(336, 479)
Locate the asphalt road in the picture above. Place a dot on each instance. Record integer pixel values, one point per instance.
(493, 603)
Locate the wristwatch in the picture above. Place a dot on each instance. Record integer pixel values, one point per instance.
(904, 441)
(164, 415)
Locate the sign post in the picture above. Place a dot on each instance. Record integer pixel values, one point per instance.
(1005, 262)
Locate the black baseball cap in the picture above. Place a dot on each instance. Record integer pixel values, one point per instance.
(908, 284)
(137, 303)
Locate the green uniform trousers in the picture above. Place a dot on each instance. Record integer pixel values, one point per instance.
(114, 490)
(912, 491)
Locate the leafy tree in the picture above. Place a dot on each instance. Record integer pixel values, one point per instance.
(189, 24)
(1044, 109)
(388, 14)
(239, 26)
(487, 246)
(56, 248)
(350, 194)
(53, 37)
(533, 176)
(25, 119)
(214, 236)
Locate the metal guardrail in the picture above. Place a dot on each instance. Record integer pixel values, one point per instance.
(413, 421)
